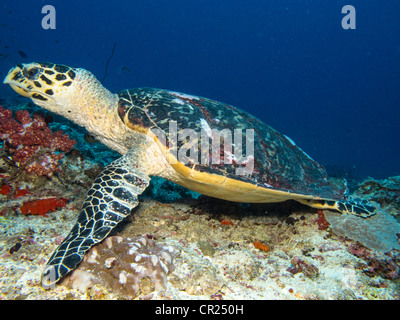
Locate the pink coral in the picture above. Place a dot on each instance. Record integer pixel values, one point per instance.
(31, 142)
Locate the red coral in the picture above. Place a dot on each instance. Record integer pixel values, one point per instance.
(21, 193)
(5, 189)
(322, 223)
(8, 191)
(226, 222)
(31, 142)
(43, 206)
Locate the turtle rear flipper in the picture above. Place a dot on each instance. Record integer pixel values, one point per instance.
(357, 207)
(110, 199)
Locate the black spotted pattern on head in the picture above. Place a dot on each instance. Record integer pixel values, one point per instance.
(31, 73)
(39, 97)
(46, 64)
(60, 77)
(45, 79)
(49, 92)
(71, 74)
(67, 84)
(17, 76)
(37, 84)
(61, 68)
(49, 72)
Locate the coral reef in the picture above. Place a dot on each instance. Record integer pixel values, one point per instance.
(386, 192)
(226, 250)
(386, 266)
(31, 143)
(127, 267)
(378, 232)
(300, 265)
(215, 261)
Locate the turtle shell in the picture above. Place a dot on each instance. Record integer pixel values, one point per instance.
(278, 164)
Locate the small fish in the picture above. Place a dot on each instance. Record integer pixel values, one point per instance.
(22, 54)
(90, 139)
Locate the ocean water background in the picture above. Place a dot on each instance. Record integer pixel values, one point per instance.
(335, 92)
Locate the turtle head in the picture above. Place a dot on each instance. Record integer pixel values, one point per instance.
(47, 84)
(74, 93)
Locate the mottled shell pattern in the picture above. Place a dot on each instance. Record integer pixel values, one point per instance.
(278, 163)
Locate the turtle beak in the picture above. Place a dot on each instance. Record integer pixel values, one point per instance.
(17, 81)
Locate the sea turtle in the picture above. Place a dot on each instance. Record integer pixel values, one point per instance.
(153, 130)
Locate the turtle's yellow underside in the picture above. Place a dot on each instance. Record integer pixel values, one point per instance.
(222, 187)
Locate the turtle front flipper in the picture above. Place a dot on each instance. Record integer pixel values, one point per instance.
(110, 199)
(359, 208)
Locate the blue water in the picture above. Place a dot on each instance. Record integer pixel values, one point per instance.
(333, 91)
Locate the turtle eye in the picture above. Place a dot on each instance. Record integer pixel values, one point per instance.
(31, 73)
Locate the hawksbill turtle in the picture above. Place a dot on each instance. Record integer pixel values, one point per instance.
(137, 123)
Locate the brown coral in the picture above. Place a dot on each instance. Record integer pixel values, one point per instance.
(300, 265)
(127, 267)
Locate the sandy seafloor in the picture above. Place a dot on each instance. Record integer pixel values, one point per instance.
(216, 260)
